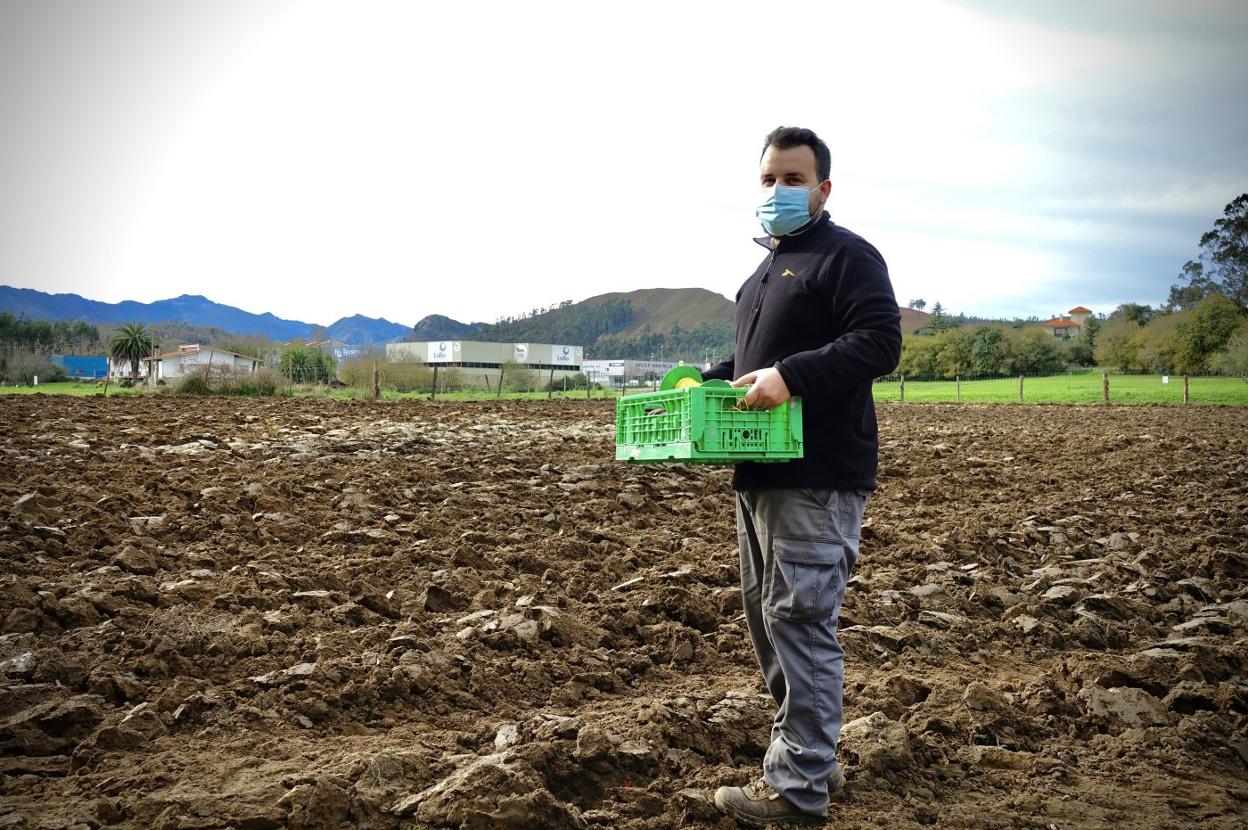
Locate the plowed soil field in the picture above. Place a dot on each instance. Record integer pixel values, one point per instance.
(317, 614)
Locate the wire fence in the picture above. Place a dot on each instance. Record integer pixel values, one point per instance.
(402, 378)
(1087, 387)
(380, 379)
(1092, 387)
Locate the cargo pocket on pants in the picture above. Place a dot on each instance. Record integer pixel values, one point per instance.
(805, 579)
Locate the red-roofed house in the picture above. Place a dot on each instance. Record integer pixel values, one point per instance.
(1071, 325)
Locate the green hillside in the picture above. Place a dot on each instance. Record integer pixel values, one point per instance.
(674, 323)
(662, 308)
(912, 320)
(691, 324)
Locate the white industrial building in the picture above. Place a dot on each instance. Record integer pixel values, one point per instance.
(343, 351)
(482, 364)
(620, 373)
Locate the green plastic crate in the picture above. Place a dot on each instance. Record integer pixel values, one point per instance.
(702, 425)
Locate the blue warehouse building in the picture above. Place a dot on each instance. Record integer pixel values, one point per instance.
(82, 366)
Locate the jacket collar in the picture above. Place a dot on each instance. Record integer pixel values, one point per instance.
(772, 243)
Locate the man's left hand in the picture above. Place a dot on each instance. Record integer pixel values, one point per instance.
(768, 388)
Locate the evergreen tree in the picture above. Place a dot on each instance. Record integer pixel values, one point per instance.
(1222, 267)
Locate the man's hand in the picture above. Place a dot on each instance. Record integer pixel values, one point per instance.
(769, 389)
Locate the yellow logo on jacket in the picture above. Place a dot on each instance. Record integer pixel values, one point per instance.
(788, 273)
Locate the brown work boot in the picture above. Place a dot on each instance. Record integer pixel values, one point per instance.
(758, 805)
(836, 780)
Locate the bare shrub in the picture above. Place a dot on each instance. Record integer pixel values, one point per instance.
(22, 366)
(518, 378)
(214, 380)
(193, 383)
(395, 377)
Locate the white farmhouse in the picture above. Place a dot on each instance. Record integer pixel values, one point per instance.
(191, 358)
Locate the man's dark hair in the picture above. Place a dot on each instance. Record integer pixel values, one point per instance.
(784, 138)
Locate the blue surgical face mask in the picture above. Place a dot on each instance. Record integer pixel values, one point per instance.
(784, 209)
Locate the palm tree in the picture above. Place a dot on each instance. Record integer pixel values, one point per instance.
(296, 363)
(131, 342)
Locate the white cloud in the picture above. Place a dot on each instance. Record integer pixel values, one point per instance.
(397, 159)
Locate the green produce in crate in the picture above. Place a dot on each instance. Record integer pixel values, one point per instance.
(689, 421)
(681, 377)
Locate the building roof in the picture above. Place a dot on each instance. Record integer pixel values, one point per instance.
(1059, 322)
(198, 348)
(1079, 310)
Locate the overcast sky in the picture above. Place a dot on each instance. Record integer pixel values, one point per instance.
(399, 159)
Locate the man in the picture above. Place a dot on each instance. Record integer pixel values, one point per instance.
(818, 319)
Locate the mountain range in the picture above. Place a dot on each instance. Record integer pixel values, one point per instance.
(673, 321)
(194, 309)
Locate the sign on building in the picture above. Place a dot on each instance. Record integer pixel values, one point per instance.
(565, 355)
(521, 352)
(443, 352)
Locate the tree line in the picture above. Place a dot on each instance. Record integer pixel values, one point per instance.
(984, 350)
(709, 341)
(596, 327)
(78, 337)
(47, 337)
(26, 348)
(568, 323)
(1202, 328)
(1209, 336)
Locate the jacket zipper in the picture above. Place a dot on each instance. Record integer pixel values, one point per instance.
(758, 300)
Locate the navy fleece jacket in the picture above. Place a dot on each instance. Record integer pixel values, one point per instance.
(821, 309)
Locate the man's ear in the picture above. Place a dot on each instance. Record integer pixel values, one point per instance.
(825, 190)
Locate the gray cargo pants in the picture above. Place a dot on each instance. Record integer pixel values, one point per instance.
(798, 548)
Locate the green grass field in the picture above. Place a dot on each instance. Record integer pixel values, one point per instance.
(1076, 388)
(69, 388)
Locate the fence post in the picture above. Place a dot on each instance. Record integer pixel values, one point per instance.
(1020, 388)
(433, 392)
(502, 370)
(1105, 388)
(376, 382)
(1185, 390)
(903, 389)
(550, 384)
(957, 379)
